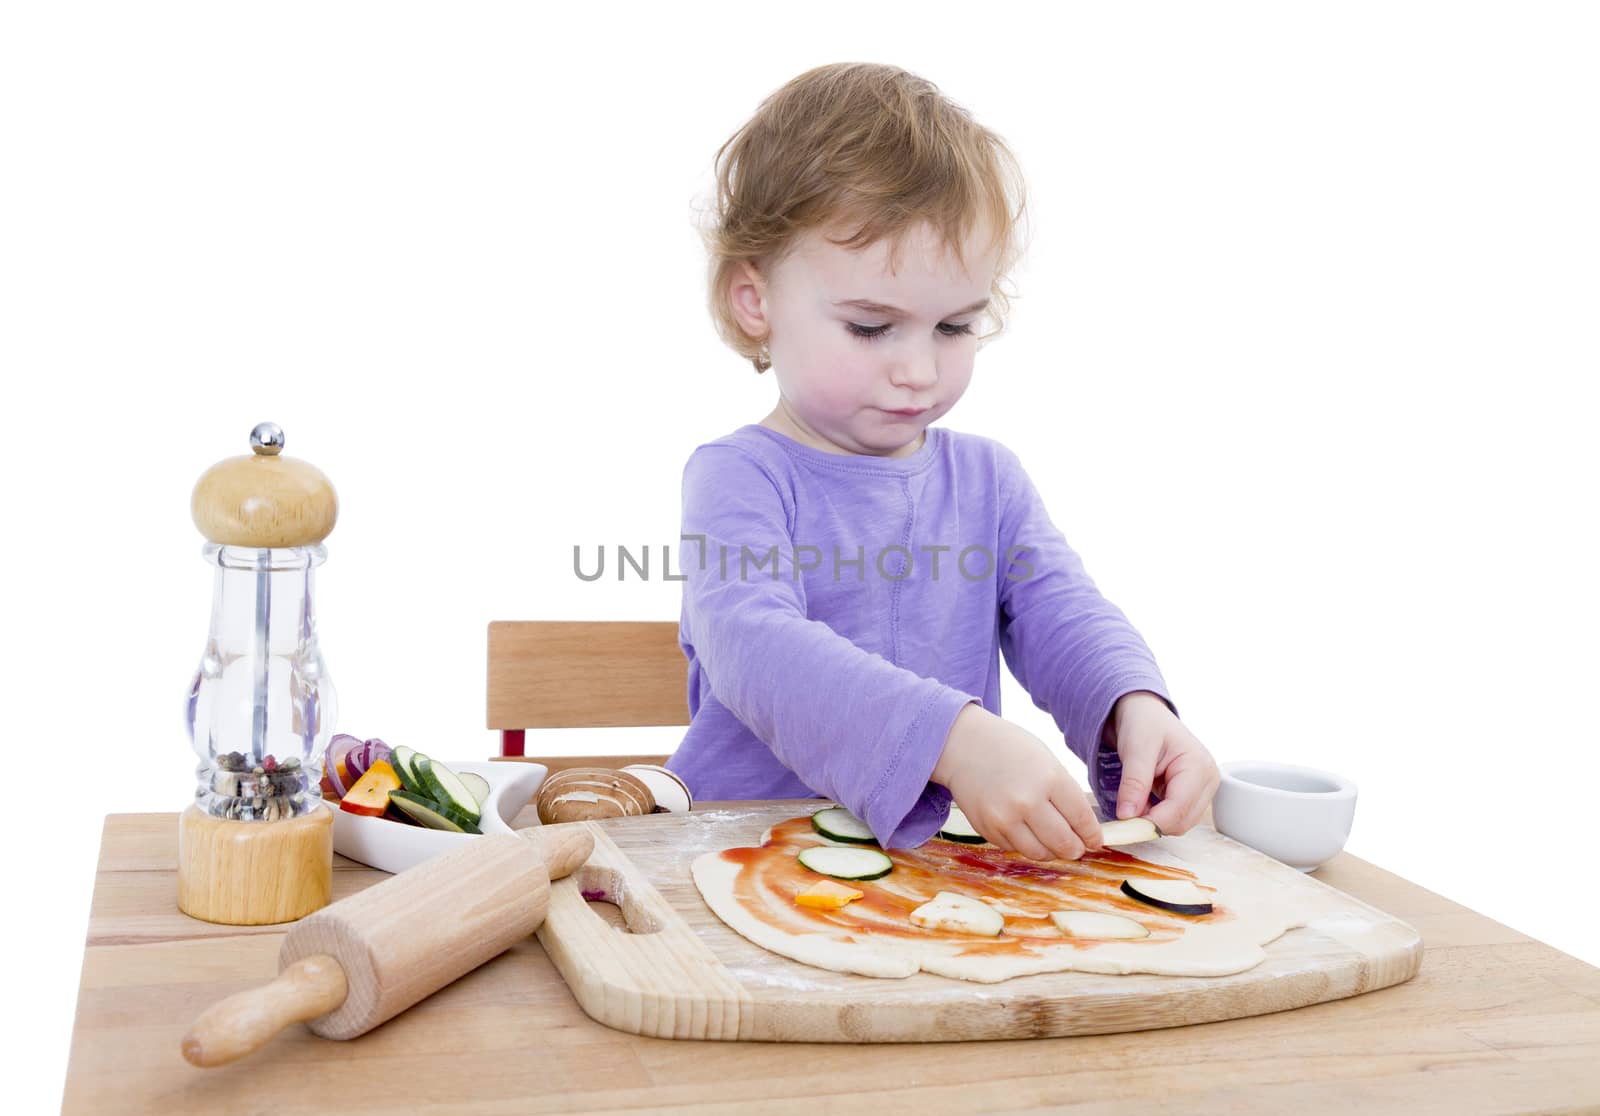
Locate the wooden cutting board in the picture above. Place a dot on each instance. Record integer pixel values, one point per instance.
(677, 971)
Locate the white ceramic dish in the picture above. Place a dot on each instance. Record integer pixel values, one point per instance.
(395, 846)
(1298, 815)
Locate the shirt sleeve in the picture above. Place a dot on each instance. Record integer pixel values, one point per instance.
(1073, 651)
(852, 725)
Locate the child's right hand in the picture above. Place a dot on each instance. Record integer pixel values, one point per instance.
(1013, 790)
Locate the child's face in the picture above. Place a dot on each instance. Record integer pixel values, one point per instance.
(842, 370)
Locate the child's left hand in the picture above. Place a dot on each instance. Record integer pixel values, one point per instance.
(1159, 753)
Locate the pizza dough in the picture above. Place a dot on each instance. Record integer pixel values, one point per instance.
(752, 890)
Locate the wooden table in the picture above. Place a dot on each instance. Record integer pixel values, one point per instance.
(1495, 1022)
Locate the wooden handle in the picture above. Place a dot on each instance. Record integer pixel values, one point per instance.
(565, 847)
(311, 987)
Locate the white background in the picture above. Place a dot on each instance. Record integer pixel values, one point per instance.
(1304, 366)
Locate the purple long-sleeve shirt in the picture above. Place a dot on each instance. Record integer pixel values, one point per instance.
(839, 610)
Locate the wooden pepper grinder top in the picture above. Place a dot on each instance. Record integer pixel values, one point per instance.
(256, 845)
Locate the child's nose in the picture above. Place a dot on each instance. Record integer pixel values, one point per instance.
(917, 372)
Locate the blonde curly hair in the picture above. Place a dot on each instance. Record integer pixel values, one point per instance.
(857, 144)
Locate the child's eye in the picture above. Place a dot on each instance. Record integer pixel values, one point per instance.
(868, 333)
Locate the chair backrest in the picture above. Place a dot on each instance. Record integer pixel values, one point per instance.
(585, 674)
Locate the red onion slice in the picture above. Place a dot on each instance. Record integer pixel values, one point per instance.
(338, 749)
(378, 750)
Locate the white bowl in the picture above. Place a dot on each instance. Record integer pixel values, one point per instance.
(1298, 815)
(395, 846)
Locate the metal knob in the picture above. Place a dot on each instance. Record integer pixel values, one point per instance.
(267, 439)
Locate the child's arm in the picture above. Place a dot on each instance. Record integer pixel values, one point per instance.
(1072, 650)
(852, 725)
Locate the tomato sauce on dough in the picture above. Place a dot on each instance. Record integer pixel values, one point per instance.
(1024, 891)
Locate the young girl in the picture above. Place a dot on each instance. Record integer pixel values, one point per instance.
(852, 571)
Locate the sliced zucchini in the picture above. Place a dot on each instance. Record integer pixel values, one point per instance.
(1177, 896)
(950, 911)
(846, 864)
(477, 784)
(1128, 831)
(1097, 924)
(404, 761)
(445, 787)
(392, 812)
(956, 827)
(434, 815)
(841, 825)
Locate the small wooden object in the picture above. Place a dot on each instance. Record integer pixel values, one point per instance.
(254, 873)
(368, 957)
(262, 499)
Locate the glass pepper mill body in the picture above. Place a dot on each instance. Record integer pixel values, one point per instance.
(261, 705)
(256, 844)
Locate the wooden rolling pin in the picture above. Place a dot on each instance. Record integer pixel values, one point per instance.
(354, 964)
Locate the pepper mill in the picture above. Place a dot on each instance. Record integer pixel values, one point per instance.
(256, 844)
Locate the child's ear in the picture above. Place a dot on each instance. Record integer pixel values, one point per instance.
(747, 298)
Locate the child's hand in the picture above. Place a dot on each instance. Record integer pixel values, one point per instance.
(1013, 790)
(1159, 753)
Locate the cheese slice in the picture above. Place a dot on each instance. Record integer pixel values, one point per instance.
(960, 913)
(827, 895)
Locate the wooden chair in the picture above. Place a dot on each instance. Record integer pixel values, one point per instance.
(585, 674)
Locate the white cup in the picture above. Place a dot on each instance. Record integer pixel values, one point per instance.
(1298, 815)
